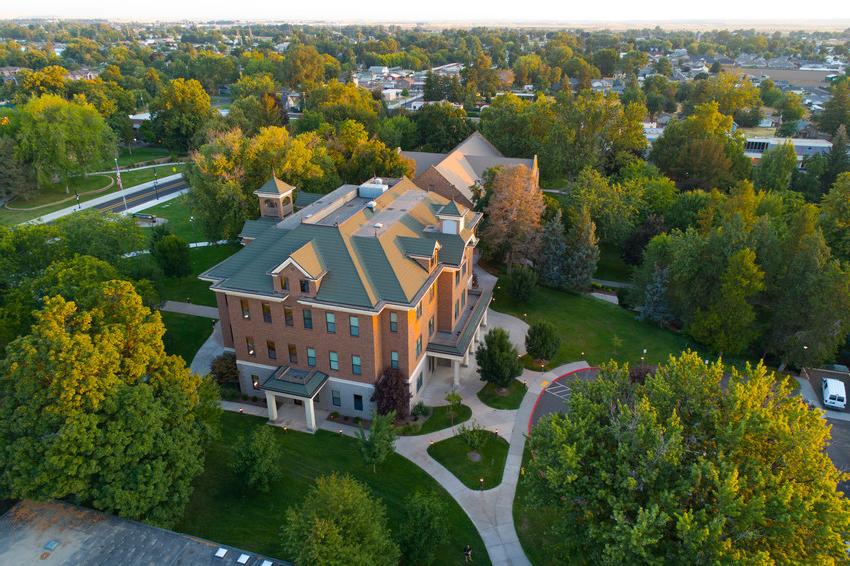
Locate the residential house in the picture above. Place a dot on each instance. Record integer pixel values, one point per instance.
(366, 282)
(454, 174)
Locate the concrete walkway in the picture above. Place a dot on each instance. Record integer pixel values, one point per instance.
(212, 348)
(189, 308)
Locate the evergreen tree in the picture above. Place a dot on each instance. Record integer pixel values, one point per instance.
(553, 251)
(835, 216)
(837, 160)
(542, 340)
(655, 304)
(498, 359)
(836, 110)
(582, 252)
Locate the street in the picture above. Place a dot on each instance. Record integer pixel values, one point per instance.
(140, 197)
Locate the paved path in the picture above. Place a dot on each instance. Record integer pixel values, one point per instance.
(808, 393)
(613, 284)
(209, 350)
(189, 308)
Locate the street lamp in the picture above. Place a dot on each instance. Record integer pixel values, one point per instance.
(481, 482)
(155, 191)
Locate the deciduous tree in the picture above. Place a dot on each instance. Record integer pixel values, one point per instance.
(257, 463)
(380, 441)
(513, 215)
(179, 112)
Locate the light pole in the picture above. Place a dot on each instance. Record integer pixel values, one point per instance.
(120, 186)
(155, 191)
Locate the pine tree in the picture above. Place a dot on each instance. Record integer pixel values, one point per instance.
(655, 306)
(553, 252)
(837, 161)
(583, 253)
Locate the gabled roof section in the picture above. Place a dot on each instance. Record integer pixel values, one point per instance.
(274, 187)
(253, 228)
(308, 259)
(477, 144)
(451, 209)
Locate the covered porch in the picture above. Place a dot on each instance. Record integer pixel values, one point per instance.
(288, 392)
(459, 345)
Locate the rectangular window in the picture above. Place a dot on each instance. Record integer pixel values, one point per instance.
(463, 269)
(330, 319)
(419, 380)
(249, 344)
(293, 354)
(431, 326)
(394, 360)
(311, 357)
(358, 402)
(267, 313)
(419, 311)
(333, 358)
(457, 307)
(418, 346)
(335, 398)
(255, 381)
(284, 283)
(272, 350)
(433, 291)
(356, 368)
(246, 310)
(393, 322)
(308, 319)
(354, 325)
(305, 285)
(457, 277)
(287, 316)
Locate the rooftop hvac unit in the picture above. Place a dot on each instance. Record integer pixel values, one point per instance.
(372, 189)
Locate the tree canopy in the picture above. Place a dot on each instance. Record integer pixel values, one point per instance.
(686, 468)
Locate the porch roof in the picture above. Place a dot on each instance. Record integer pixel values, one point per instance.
(296, 382)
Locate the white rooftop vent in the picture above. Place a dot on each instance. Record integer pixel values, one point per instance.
(371, 205)
(243, 559)
(267, 563)
(377, 225)
(221, 552)
(372, 189)
(379, 181)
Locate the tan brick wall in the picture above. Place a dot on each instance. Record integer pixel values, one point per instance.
(275, 207)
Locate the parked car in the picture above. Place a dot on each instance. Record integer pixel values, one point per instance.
(834, 394)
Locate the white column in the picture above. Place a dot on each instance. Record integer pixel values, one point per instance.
(310, 414)
(271, 402)
(466, 358)
(484, 319)
(456, 371)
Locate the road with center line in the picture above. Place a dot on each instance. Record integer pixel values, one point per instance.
(143, 196)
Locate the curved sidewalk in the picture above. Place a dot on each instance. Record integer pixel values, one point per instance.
(491, 510)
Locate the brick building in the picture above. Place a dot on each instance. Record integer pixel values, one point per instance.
(454, 174)
(320, 303)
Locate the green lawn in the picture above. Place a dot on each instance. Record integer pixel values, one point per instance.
(185, 333)
(54, 195)
(178, 213)
(222, 511)
(532, 523)
(453, 452)
(594, 330)
(510, 399)
(611, 266)
(190, 287)
(140, 155)
(439, 418)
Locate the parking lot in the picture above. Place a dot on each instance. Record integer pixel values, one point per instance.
(839, 450)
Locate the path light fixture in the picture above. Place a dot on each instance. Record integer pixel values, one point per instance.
(481, 481)
(241, 410)
(285, 428)
(340, 432)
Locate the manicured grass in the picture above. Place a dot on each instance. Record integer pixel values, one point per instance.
(185, 334)
(54, 195)
(139, 155)
(532, 522)
(190, 287)
(593, 330)
(221, 510)
(611, 266)
(179, 214)
(453, 452)
(510, 399)
(439, 418)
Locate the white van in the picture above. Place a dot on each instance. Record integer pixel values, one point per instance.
(833, 393)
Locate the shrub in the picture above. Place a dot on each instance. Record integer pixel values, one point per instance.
(474, 435)
(333, 416)
(454, 400)
(542, 340)
(521, 281)
(223, 368)
(419, 410)
(392, 394)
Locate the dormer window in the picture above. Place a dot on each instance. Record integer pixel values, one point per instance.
(305, 285)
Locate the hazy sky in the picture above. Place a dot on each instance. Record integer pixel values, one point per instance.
(432, 10)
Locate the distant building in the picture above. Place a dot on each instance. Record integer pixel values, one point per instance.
(454, 174)
(755, 147)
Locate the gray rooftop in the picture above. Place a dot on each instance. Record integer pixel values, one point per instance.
(66, 535)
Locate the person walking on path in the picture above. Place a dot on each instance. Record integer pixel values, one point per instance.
(467, 554)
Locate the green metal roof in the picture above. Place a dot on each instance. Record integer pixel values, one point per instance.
(291, 381)
(451, 209)
(364, 256)
(254, 228)
(274, 186)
